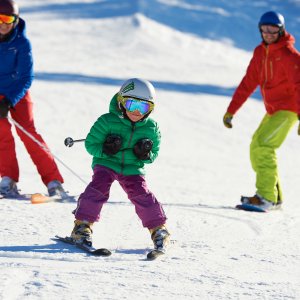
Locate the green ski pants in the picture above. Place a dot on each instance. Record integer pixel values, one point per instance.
(269, 136)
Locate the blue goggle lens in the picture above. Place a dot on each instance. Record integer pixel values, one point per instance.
(134, 104)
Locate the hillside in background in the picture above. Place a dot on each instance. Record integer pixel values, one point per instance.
(232, 22)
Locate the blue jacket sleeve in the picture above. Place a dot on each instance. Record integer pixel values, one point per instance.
(23, 73)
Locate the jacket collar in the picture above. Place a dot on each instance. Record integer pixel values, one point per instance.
(18, 30)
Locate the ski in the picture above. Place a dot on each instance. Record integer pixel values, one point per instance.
(155, 253)
(39, 198)
(249, 207)
(20, 197)
(85, 247)
(160, 251)
(255, 208)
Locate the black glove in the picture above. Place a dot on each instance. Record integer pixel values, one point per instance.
(4, 107)
(112, 144)
(142, 149)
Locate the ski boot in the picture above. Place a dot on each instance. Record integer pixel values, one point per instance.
(82, 232)
(55, 189)
(160, 237)
(8, 188)
(259, 202)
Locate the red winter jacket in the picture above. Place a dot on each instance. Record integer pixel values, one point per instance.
(276, 69)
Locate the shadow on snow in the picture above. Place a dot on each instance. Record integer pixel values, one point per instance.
(51, 248)
(168, 86)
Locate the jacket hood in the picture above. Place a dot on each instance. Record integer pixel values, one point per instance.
(20, 29)
(114, 106)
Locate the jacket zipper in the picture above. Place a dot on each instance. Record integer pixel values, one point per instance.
(266, 74)
(129, 142)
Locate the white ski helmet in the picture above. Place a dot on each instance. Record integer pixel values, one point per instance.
(139, 89)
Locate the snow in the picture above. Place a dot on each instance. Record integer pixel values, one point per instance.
(83, 51)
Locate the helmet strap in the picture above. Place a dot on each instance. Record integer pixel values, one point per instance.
(282, 32)
(16, 22)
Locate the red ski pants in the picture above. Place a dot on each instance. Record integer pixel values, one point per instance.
(22, 113)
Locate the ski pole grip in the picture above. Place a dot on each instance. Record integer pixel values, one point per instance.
(69, 142)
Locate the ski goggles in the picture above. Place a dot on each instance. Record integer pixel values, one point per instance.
(7, 19)
(269, 29)
(131, 104)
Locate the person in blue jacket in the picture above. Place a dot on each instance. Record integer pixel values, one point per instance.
(16, 75)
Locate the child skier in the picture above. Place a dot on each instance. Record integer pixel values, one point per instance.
(121, 142)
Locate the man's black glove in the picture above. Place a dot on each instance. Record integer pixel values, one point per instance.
(112, 144)
(142, 149)
(4, 107)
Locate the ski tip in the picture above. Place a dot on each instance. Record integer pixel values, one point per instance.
(154, 254)
(151, 256)
(101, 252)
(39, 198)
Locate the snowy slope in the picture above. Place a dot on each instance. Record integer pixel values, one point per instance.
(83, 51)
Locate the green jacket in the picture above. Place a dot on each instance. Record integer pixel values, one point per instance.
(124, 162)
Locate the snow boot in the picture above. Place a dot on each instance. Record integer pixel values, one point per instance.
(160, 236)
(55, 189)
(82, 232)
(8, 187)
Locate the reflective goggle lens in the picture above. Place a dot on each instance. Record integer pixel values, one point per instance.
(133, 104)
(7, 19)
(269, 29)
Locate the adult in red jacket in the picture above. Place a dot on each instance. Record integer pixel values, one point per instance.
(275, 68)
(16, 74)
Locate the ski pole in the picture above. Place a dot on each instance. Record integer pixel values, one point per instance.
(69, 142)
(45, 148)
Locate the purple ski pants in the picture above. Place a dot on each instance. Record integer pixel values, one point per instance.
(90, 202)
